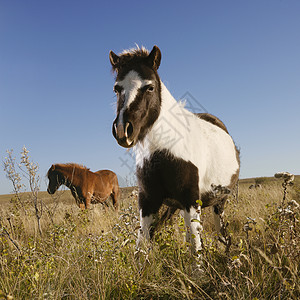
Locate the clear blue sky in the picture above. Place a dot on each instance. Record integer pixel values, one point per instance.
(239, 59)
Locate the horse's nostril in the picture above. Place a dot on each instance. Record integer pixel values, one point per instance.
(128, 129)
(115, 130)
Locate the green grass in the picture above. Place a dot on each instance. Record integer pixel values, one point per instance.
(92, 255)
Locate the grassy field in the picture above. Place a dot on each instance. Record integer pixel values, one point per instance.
(91, 254)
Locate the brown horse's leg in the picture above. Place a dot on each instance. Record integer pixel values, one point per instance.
(115, 200)
(78, 199)
(88, 200)
(115, 195)
(105, 204)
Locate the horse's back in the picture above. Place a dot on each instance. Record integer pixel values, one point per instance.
(107, 174)
(212, 119)
(105, 179)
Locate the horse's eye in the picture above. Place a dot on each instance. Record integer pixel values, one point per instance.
(150, 88)
(117, 89)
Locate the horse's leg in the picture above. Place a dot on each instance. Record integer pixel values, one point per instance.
(218, 213)
(164, 218)
(220, 226)
(193, 227)
(88, 200)
(116, 193)
(105, 204)
(78, 199)
(114, 196)
(144, 231)
(115, 202)
(149, 207)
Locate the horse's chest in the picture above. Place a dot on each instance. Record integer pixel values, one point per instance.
(164, 176)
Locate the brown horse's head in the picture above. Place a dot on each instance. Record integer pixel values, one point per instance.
(55, 180)
(138, 89)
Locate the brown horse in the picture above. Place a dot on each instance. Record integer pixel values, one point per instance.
(86, 186)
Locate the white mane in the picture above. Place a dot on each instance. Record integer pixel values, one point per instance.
(134, 50)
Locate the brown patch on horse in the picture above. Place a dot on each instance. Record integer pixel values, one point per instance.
(213, 120)
(86, 186)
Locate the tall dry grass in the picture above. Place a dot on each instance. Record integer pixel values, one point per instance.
(91, 254)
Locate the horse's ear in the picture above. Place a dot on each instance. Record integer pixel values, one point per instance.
(114, 60)
(50, 170)
(154, 58)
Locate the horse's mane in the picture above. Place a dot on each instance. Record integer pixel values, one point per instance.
(133, 55)
(137, 51)
(74, 165)
(74, 172)
(67, 166)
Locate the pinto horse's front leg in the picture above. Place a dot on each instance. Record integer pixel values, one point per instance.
(149, 207)
(144, 230)
(193, 227)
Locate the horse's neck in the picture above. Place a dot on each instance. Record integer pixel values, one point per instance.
(174, 112)
(170, 129)
(71, 175)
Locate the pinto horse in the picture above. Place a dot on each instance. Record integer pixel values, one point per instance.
(185, 160)
(86, 186)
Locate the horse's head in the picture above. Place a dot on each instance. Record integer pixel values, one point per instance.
(55, 180)
(138, 91)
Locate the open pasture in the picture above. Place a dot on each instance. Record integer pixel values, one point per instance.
(91, 254)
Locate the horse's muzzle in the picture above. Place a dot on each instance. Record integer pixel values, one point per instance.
(123, 134)
(50, 192)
